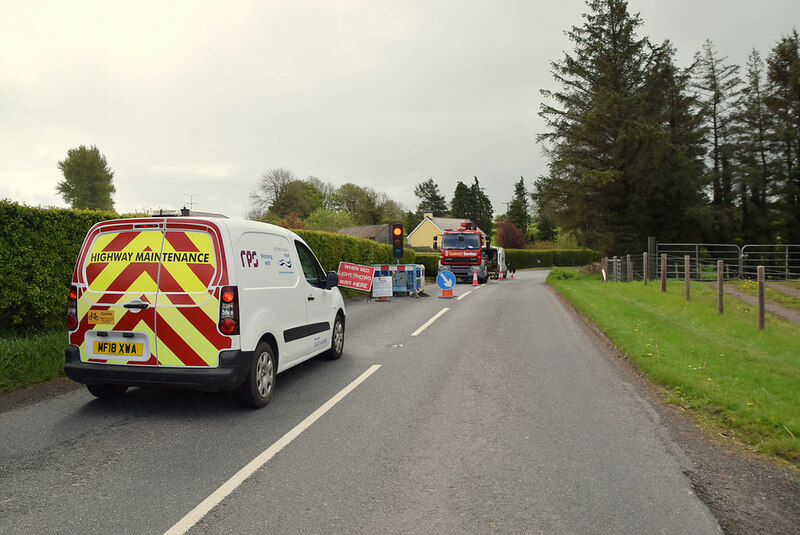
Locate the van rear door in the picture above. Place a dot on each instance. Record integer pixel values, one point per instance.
(118, 285)
(191, 276)
(149, 294)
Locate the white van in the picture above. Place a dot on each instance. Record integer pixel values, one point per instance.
(212, 304)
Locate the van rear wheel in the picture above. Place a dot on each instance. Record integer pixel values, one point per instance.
(107, 391)
(337, 339)
(258, 386)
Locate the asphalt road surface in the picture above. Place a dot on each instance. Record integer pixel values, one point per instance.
(500, 416)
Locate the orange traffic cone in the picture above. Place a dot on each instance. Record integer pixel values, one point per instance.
(447, 294)
(475, 277)
(499, 274)
(512, 274)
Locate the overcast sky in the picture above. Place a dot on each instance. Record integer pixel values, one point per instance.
(200, 98)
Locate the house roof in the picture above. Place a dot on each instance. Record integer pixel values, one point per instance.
(447, 223)
(364, 231)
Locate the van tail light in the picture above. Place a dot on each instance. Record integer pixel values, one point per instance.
(72, 309)
(229, 310)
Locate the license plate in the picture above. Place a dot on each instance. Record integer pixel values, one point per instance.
(119, 349)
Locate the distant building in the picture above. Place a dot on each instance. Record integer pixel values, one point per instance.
(378, 233)
(431, 227)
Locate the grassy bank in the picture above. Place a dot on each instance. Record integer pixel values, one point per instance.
(720, 366)
(31, 359)
(750, 287)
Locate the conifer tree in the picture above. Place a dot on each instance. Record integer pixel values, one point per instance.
(753, 155)
(616, 135)
(719, 88)
(471, 202)
(461, 205)
(783, 102)
(518, 207)
(482, 211)
(430, 198)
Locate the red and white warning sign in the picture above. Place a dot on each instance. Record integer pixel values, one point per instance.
(355, 276)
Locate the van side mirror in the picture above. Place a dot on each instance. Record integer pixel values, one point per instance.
(332, 280)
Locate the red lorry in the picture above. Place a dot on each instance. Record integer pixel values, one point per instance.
(466, 252)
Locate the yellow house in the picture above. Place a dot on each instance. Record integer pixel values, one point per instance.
(431, 227)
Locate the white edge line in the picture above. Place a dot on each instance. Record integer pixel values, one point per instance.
(430, 321)
(462, 296)
(196, 514)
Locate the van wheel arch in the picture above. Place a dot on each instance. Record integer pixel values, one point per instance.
(259, 385)
(337, 337)
(268, 338)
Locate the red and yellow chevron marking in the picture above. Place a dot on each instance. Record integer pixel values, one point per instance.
(124, 320)
(173, 269)
(188, 335)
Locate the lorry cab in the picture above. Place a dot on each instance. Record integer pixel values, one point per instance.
(462, 253)
(212, 304)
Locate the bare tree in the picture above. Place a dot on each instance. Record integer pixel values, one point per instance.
(272, 183)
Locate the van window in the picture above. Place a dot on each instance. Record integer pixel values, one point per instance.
(123, 262)
(311, 269)
(188, 263)
(146, 261)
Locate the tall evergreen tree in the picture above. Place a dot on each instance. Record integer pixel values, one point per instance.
(783, 75)
(430, 198)
(616, 135)
(461, 205)
(753, 155)
(719, 88)
(518, 207)
(471, 202)
(482, 211)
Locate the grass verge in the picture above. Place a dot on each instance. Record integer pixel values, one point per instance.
(29, 359)
(720, 366)
(783, 299)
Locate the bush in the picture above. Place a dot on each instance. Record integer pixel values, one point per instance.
(38, 249)
(430, 261)
(562, 274)
(509, 236)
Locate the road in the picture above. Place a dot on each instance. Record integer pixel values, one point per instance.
(502, 416)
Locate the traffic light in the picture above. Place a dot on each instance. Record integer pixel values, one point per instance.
(397, 240)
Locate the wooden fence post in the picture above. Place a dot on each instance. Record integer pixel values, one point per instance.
(761, 315)
(629, 269)
(663, 272)
(644, 267)
(687, 264)
(720, 291)
(616, 267)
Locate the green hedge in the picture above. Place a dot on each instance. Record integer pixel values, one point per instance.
(532, 258)
(430, 261)
(524, 258)
(38, 249)
(332, 248)
(39, 246)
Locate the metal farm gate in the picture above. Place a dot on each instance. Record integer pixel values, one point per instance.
(781, 262)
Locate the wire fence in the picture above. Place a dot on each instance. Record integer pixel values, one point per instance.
(781, 262)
